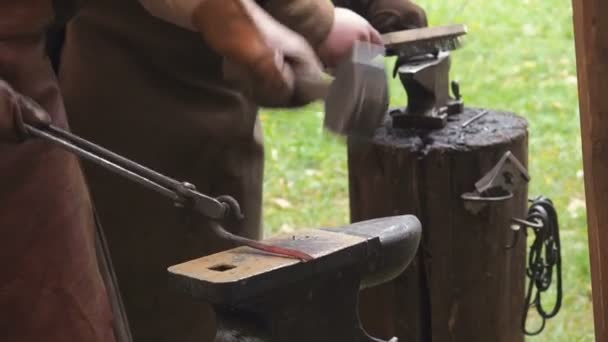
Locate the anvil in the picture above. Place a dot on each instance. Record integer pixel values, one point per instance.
(262, 297)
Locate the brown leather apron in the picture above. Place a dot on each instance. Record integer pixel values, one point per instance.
(153, 92)
(50, 286)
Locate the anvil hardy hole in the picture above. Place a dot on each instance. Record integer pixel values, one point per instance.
(222, 267)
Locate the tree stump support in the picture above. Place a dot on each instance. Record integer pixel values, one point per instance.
(465, 284)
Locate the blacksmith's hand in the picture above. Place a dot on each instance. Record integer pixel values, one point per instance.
(270, 63)
(300, 75)
(348, 28)
(267, 61)
(15, 110)
(395, 15)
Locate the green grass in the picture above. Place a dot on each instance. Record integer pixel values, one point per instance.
(519, 56)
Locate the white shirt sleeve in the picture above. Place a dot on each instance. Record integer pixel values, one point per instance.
(178, 12)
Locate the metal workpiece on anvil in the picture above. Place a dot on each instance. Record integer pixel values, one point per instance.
(276, 299)
(183, 194)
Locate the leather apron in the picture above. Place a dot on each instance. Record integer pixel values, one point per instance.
(154, 93)
(50, 286)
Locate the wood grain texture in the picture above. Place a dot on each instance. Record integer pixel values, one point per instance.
(591, 36)
(464, 285)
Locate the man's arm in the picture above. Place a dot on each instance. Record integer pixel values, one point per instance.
(271, 61)
(310, 18)
(17, 110)
(313, 19)
(388, 15)
(21, 29)
(278, 62)
(324, 27)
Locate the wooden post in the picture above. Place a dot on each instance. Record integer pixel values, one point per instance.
(464, 284)
(591, 35)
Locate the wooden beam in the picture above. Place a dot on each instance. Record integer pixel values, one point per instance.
(591, 35)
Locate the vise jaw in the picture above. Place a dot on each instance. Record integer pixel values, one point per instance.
(263, 298)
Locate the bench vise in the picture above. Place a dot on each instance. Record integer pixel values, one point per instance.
(263, 297)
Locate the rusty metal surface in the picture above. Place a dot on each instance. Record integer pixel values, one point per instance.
(242, 273)
(261, 297)
(246, 263)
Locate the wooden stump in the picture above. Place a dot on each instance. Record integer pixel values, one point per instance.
(464, 285)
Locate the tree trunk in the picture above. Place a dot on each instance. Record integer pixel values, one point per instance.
(464, 285)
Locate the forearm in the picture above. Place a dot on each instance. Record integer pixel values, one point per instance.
(310, 18)
(227, 26)
(388, 15)
(313, 19)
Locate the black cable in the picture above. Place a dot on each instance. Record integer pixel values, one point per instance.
(544, 261)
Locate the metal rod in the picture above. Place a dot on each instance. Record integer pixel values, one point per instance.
(242, 241)
(108, 165)
(475, 118)
(117, 159)
(536, 224)
(182, 192)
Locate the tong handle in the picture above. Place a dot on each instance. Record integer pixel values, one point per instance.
(182, 193)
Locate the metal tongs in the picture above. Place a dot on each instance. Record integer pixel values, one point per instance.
(183, 194)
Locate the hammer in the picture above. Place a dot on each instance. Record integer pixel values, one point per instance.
(263, 297)
(357, 100)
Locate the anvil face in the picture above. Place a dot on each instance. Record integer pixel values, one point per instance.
(267, 298)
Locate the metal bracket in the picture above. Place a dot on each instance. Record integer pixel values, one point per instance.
(498, 185)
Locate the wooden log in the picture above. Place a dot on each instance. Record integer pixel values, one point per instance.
(591, 36)
(464, 284)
